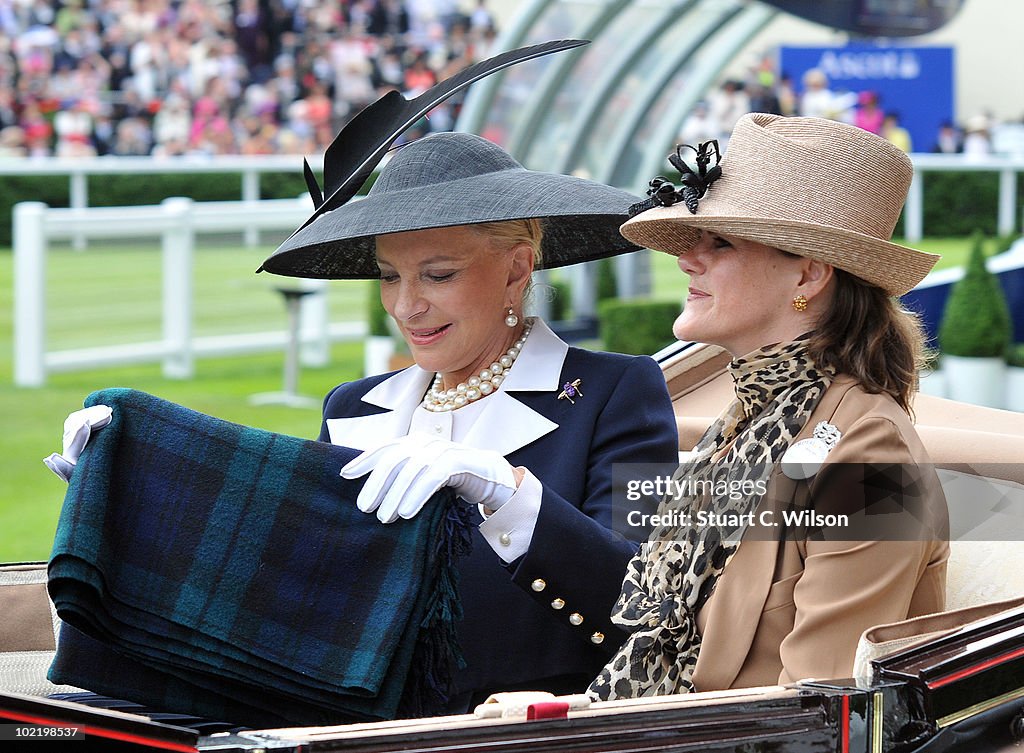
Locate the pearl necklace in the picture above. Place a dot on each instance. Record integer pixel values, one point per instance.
(438, 400)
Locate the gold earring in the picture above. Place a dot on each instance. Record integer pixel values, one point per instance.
(800, 303)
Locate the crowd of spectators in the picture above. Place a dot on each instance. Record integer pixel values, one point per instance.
(173, 77)
(763, 89)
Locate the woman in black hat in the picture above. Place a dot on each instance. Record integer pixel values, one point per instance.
(526, 429)
(523, 427)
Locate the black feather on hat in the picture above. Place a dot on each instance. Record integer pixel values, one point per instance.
(442, 180)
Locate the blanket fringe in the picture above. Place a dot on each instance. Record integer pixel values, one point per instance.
(437, 654)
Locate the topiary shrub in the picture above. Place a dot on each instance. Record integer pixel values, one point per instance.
(637, 327)
(1015, 355)
(561, 300)
(607, 284)
(376, 314)
(976, 319)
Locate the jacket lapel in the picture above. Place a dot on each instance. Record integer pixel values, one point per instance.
(734, 613)
(506, 424)
(399, 395)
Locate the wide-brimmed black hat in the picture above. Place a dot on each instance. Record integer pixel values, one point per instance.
(448, 179)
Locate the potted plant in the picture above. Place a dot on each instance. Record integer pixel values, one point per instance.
(607, 280)
(1015, 377)
(560, 301)
(974, 334)
(380, 346)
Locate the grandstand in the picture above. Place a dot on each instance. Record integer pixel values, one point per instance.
(168, 77)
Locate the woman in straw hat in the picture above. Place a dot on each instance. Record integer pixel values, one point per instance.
(523, 427)
(816, 466)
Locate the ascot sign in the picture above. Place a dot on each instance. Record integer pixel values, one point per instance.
(916, 82)
(902, 64)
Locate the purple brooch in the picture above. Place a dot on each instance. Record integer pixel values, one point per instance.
(571, 390)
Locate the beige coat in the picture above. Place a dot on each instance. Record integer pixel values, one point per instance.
(795, 610)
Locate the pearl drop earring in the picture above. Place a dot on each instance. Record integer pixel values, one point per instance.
(511, 320)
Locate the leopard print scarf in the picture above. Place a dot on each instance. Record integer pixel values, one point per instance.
(675, 571)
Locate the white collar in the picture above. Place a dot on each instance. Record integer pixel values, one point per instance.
(537, 369)
(539, 365)
(408, 385)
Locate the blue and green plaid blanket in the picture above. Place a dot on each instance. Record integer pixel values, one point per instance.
(233, 564)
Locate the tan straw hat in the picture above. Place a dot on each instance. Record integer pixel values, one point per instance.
(813, 187)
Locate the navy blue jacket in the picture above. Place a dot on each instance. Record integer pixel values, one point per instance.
(511, 636)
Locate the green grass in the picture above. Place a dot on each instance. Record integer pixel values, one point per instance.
(105, 296)
(112, 295)
(117, 291)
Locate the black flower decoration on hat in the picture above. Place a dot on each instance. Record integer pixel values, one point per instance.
(695, 182)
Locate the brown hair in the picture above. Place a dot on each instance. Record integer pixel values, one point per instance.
(864, 333)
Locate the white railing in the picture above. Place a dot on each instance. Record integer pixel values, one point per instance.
(79, 169)
(251, 168)
(176, 222)
(1006, 166)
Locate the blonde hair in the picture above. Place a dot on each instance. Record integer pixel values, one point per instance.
(508, 233)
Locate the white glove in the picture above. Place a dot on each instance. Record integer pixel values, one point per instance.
(405, 472)
(78, 427)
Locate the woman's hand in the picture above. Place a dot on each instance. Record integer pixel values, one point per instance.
(405, 472)
(78, 427)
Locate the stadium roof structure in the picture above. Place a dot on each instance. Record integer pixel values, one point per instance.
(611, 111)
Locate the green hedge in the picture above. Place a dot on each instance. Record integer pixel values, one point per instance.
(958, 203)
(636, 326)
(607, 280)
(136, 190)
(52, 190)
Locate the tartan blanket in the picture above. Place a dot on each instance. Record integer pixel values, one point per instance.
(233, 565)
